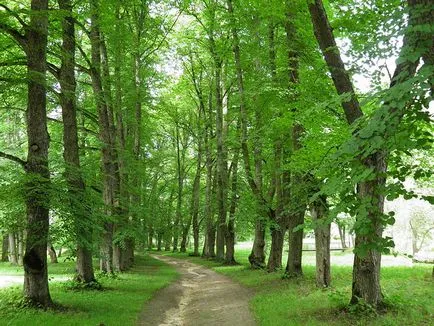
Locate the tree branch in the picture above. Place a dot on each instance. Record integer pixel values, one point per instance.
(17, 36)
(13, 158)
(14, 14)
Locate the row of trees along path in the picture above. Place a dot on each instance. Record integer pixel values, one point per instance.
(216, 117)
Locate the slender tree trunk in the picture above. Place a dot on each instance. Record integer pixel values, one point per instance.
(5, 247)
(150, 237)
(230, 231)
(209, 250)
(106, 261)
(196, 197)
(13, 255)
(279, 223)
(341, 230)
(37, 202)
(21, 239)
(293, 266)
(319, 211)
(159, 241)
(295, 184)
(76, 185)
(180, 177)
(257, 255)
(221, 164)
(52, 253)
(184, 239)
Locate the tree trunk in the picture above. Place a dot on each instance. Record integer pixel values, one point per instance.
(180, 177)
(221, 164)
(13, 255)
(209, 251)
(293, 266)
(108, 169)
(184, 239)
(211, 238)
(76, 186)
(319, 211)
(279, 222)
(20, 246)
(37, 200)
(294, 182)
(342, 235)
(52, 253)
(5, 247)
(257, 255)
(277, 239)
(159, 241)
(230, 230)
(150, 237)
(196, 192)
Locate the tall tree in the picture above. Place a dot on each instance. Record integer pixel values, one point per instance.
(367, 261)
(37, 199)
(73, 175)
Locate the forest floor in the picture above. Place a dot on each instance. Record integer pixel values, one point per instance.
(199, 297)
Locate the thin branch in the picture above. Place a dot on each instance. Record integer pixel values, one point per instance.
(85, 57)
(13, 158)
(17, 36)
(14, 14)
(81, 25)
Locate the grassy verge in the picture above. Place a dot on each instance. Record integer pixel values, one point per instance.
(409, 290)
(119, 304)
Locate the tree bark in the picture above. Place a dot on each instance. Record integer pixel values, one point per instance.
(159, 241)
(52, 253)
(20, 246)
(209, 245)
(180, 179)
(185, 232)
(76, 185)
(257, 255)
(230, 230)
(105, 134)
(319, 211)
(37, 200)
(13, 255)
(294, 184)
(221, 164)
(5, 247)
(196, 195)
(279, 223)
(342, 235)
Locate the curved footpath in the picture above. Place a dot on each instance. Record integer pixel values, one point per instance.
(199, 297)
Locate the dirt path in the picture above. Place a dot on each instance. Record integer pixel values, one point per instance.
(200, 297)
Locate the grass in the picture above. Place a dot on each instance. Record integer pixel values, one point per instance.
(408, 290)
(119, 304)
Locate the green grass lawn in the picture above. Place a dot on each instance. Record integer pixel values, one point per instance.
(119, 304)
(277, 301)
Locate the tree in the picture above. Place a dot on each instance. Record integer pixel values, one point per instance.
(366, 272)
